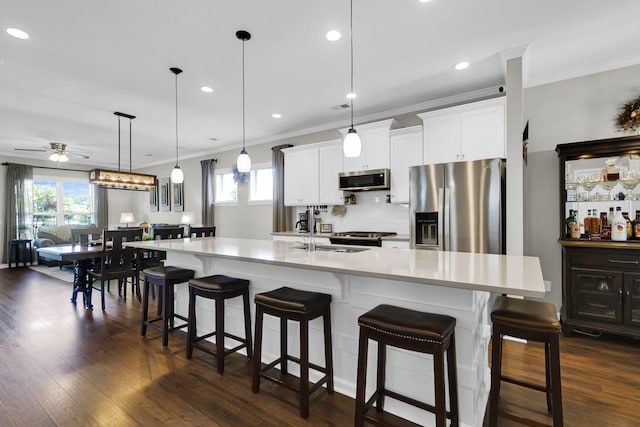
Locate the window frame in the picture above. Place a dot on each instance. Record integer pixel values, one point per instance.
(60, 213)
(254, 168)
(216, 201)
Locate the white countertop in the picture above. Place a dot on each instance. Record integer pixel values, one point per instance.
(516, 275)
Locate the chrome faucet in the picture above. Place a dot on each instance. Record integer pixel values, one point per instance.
(312, 225)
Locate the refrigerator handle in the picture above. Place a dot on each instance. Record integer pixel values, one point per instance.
(441, 203)
(446, 220)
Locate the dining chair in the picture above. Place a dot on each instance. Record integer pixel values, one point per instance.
(168, 233)
(117, 261)
(203, 231)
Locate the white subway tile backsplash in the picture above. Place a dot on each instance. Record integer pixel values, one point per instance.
(370, 213)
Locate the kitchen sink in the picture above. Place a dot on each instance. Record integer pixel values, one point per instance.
(340, 249)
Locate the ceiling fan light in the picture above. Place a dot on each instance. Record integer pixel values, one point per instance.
(352, 145)
(62, 158)
(54, 157)
(177, 176)
(244, 162)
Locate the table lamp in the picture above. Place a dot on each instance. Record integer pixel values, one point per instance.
(187, 219)
(126, 218)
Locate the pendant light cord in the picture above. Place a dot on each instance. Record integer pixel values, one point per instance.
(351, 37)
(118, 143)
(243, 131)
(130, 146)
(176, 119)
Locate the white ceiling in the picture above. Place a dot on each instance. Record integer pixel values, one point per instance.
(86, 59)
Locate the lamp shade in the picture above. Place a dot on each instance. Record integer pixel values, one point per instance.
(244, 161)
(187, 218)
(127, 217)
(177, 176)
(351, 145)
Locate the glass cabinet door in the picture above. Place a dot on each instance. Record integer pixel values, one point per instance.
(597, 295)
(632, 299)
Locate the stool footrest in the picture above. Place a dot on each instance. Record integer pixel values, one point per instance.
(207, 348)
(152, 324)
(523, 383)
(290, 381)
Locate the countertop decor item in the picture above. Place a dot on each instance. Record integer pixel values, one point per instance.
(629, 117)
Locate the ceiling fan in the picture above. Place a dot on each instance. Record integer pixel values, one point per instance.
(58, 152)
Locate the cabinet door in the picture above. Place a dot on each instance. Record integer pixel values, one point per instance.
(330, 165)
(596, 295)
(376, 149)
(441, 138)
(406, 151)
(482, 133)
(301, 177)
(632, 299)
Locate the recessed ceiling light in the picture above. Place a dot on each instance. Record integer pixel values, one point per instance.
(206, 89)
(276, 115)
(424, 1)
(17, 33)
(462, 65)
(352, 95)
(333, 35)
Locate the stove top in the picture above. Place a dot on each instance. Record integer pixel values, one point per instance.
(364, 234)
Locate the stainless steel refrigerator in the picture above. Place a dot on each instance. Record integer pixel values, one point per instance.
(458, 206)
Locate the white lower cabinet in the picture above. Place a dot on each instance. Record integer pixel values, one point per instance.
(405, 151)
(397, 244)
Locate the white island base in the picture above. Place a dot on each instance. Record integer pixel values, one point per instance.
(352, 295)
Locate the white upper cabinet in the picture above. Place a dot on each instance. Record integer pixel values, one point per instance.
(406, 151)
(375, 146)
(466, 132)
(330, 165)
(301, 169)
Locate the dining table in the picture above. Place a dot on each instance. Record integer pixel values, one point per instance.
(83, 257)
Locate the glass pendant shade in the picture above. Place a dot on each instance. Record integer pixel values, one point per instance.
(351, 145)
(244, 161)
(177, 176)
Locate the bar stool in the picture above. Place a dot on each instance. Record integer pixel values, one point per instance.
(302, 306)
(218, 288)
(165, 277)
(534, 321)
(409, 330)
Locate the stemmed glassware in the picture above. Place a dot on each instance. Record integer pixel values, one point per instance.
(629, 180)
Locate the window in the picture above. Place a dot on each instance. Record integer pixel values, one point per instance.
(58, 201)
(261, 183)
(226, 187)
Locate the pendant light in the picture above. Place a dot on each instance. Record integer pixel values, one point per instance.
(351, 145)
(244, 161)
(177, 176)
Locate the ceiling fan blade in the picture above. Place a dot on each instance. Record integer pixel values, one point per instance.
(31, 149)
(78, 155)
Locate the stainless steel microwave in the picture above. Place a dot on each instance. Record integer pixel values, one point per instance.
(376, 179)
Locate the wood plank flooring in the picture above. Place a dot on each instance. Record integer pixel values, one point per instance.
(63, 366)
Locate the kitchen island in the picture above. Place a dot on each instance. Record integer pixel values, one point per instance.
(456, 284)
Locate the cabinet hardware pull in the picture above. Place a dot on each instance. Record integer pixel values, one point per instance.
(617, 261)
(620, 297)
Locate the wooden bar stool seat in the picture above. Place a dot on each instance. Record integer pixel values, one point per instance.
(165, 277)
(302, 306)
(534, 321)
(218, 288)
(409, 330)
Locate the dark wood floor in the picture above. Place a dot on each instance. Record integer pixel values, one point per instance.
(63, 366)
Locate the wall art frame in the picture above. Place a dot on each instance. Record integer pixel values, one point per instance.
(165, 194)
(178, 197)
